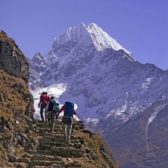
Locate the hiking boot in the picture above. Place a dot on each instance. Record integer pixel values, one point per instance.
(52, 130)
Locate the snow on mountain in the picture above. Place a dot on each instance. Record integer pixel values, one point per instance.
(91, 34)
(53, 90)
(102, 40)
(109, 86)
(149, 122)
(100, 75)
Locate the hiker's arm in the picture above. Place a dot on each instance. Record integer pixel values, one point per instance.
(40, 99)
(39, 102)
(49, 98)
(62, 109)
(74, 112)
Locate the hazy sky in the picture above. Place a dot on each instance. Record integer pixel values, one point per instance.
(141, 26)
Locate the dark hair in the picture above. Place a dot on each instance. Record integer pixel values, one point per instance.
(52, 97)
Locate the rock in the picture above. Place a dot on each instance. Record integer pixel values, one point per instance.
(12, 59)
(57, 166)
(21, 165)
(2, 97)
(15, 102)
(12, 158)
(27, 155)
(78, 145)
(74, 164)
(24, 159)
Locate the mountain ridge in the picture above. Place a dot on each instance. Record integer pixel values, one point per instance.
(109, 86)
(89, 34)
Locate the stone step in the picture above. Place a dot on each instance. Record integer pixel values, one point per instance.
(53, 166)
(48, 144)
(24, 160)
(49, 134)
(62, 152)
(44, 163)
(59, 141)
(48, 126)
(67, 151)
(73, 165)
(41, 130)
(46, 157)
(55, 135)
(52, 138)
(37, 166)
(44, 147)
(44, 125)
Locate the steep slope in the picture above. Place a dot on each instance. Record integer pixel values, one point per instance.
(142, 142)
(109, 86)
(27, 144)
(16, 102)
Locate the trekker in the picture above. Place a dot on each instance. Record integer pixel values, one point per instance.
(52, 112)
(44, 99)
(69, 110)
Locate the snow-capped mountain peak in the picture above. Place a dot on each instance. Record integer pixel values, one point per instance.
(74, 34)
(89, 35)
(102, 40)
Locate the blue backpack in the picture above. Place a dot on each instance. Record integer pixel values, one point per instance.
(69, 109)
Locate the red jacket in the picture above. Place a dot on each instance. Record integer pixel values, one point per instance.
(44, 99)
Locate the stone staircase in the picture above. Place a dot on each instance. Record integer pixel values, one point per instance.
(53, 151)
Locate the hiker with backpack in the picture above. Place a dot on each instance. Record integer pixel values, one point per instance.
(44, 99)
(52, 112)
(69, 111)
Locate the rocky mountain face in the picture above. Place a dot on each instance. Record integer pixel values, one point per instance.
(16, 102)
(16, 65)
(115, 94)
(141, 142)
(25, 143)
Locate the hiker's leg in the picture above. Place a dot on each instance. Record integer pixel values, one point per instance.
(41, 113)
(48, 117)
(56, 115)
(52, 121)
(65, 132)
(69, 130)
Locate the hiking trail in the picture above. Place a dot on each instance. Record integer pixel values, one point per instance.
(54, 152)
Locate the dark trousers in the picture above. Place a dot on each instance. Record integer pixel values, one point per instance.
(42, 108)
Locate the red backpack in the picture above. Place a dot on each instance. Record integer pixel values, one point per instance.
(44, 99)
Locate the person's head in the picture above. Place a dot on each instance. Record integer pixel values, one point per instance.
(44, 93)
(52, 97)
